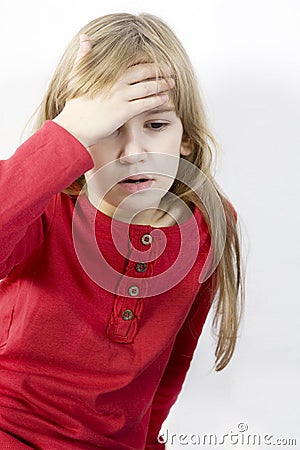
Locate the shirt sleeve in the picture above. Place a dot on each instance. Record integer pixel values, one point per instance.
(179, 363)
(44, 165)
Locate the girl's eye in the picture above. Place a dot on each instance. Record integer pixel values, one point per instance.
(156, 125)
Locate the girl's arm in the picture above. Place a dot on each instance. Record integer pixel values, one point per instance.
(179, 363)
(55, 156)
(48, 162)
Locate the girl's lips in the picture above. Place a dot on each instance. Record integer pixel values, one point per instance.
(136, 183)
(136, 178)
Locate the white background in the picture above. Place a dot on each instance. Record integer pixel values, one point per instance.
(246, 54)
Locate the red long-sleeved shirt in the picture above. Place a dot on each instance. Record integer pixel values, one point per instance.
(80, 366)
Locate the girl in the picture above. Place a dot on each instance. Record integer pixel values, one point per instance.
(115, 243)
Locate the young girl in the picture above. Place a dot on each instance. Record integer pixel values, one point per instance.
(115, 243)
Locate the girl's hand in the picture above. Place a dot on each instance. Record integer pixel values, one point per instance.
(92, 119)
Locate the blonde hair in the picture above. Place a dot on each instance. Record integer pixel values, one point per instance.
(118, 42)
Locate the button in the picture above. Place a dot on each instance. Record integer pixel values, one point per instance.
(127, 314)
(140, 267)
(146, 239)
(133, 291)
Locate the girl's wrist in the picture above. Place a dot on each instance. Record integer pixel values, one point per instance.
(64, 123)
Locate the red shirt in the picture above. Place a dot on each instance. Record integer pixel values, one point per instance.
(82, 367)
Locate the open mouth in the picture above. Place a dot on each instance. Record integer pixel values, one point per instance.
(136, 179)
(139, 180)
(136, 183)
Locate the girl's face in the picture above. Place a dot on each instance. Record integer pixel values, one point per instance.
(136, 165)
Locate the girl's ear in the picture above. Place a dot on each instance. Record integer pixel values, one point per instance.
(187, 146)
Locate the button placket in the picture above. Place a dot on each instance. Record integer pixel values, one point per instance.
(128, 305)
(123, 324)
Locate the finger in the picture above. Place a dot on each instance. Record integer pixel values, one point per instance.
(142, 72)
(144, 104)
(85, 47)
(148, 88)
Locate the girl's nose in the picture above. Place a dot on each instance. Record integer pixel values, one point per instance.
(132, 150)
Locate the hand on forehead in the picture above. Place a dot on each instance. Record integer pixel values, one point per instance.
(136, 73)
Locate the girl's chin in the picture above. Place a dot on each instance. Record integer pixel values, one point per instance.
(131, 205)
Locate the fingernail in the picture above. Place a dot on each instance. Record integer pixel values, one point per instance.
(85, 42)
(82, 38)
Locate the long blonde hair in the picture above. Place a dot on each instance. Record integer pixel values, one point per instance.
(118, 42)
